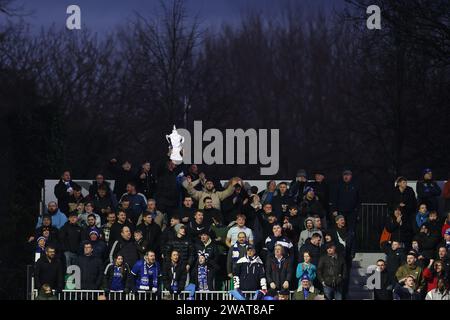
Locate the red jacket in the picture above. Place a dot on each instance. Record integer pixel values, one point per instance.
(430, 278)
(446, 191)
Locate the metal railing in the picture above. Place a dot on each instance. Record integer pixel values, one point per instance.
(142, 295)
(371, 223)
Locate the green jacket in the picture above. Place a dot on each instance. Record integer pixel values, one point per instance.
(415, 271)
(313, 293)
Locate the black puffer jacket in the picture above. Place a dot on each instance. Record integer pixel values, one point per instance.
(91, 269)
(127, 249)
(184, 247)
(70, 237)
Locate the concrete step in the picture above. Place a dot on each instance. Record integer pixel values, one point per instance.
(358, 275)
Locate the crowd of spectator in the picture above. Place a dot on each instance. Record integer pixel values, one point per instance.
(178, 229)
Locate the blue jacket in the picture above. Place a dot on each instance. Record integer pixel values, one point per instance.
(146, 275)
(138, 204)
(58, 220)
(421, 219)
(309, 269)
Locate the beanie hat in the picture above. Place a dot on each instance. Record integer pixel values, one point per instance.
(346, 172)
(94, 232)
(301, 173)
(308, 189)
(339, 216)
(178, 227)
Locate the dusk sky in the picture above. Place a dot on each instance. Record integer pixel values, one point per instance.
(104, 15)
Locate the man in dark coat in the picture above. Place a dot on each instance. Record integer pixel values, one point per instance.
(332, 273)
(404, 196)
(249, 274)
(49, 269)
(292, 223)
(167, 192)
(395, 257)
(64, 190)
(311, 206)
(122, 175)
(346, 238)
(322, 189)
(182, 244)
(399, 227)
(70, 239)
(91, 268)
(198, 225)
(125, 247)
(116, 228)
(205, 245)
(187, 210)
(314, 247)
(282, 200)
(151, 232)
(279, 269)
(297, 186)
(97, 183)
(345, 199)
(146, 180)
(211, 213)
(428, 191)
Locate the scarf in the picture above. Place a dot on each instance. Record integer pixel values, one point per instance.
(174, 283)
(342, 236)
(279, 262)
(149, 276)
(305, 293)
(235, 252)
(202, 273)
